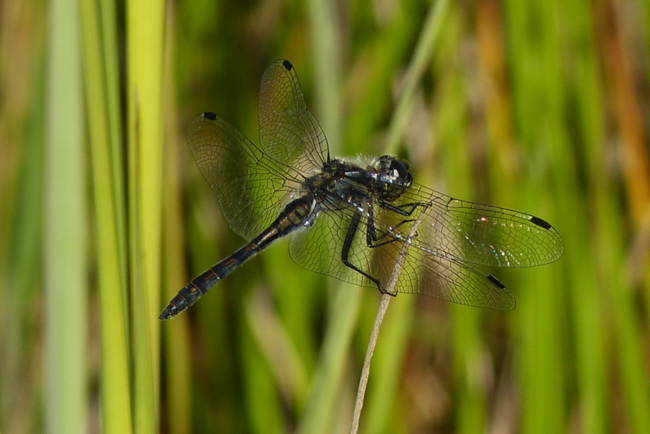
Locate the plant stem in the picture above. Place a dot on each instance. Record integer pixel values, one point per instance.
(381, 312)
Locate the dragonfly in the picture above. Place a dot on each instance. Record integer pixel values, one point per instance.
(351, 218)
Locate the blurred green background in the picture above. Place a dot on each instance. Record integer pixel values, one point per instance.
(541, 106)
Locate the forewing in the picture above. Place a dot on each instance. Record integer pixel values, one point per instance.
(480, 234)
(251, 188)
(319, 249)
(288, 132)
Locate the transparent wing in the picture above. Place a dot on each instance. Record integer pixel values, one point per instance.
(288, 132)
(452, 280)
(252, 189)
(319, 249)
(476, 233)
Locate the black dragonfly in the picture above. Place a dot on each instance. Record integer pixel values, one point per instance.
(349, 218)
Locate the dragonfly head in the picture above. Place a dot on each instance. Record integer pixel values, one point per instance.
(394, 176)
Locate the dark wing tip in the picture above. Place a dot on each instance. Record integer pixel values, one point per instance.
(288, 66)
(496, 281)
(539, 222)
(210, 115)
(505, 301)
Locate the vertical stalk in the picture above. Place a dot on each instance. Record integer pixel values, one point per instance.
(114, 372)
(65, 227)
(145, 37)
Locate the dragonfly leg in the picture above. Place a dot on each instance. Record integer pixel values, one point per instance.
(347, 245)
(372, 240)
(402, 209)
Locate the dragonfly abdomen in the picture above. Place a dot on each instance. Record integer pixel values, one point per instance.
(289, 220)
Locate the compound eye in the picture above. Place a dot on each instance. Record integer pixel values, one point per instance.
(398, 168)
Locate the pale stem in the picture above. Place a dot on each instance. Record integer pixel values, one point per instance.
(381, 312)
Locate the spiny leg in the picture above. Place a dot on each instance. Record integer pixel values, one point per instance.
(371, 234)
(400, 209)
(347, 245)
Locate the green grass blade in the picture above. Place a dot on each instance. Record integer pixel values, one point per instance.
(145, 37)
(586, 303)
(319, 412)
(113, 109)
(538, 104)
(327, 69)
(263, 404)
(371, 79)
(65, 227)
(427, 40)
(114, 374)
